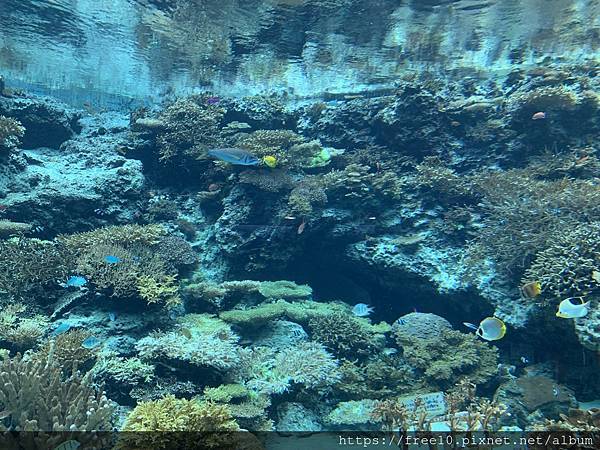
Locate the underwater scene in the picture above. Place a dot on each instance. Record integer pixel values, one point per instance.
(298, 216)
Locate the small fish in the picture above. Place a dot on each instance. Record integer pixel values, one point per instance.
(362, 310)
(455, 123)
(75, 281)
(555, 391)
(235, 156)
(289, 218)
(401, 322)
(301, 227)
(68, 445)
(524, 360)
(389, 351)
(213, 187)
(90, 342)
(111, 259)
(569, 310)
(270, 161)
(490, 329)
(186, 332)
(531, 289)
(62, 328)
(538, 116)
(214, 100)
(112, 316)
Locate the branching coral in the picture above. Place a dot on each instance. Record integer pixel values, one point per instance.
(18, 330)
(11, 131)
(283, 289)
(436, 177)
(271, 142)
(190, 128)
(570, 266)
(345, 335)
(523, 215)
(142, 261)
(30, 264)
(67, 350)
(9, 228)
(37, 397)
(451, 357)
(308, 194)
(128, 371)
(159, 424)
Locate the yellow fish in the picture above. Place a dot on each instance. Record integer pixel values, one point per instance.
(531, 290)
(270, 161)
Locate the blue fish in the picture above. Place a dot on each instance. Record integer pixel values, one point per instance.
(235, 156)
(111, 259)
(76, 281)
(112, 316)
(62, 328)
(90, 342)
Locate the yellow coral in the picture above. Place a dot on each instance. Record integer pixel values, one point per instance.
(155, 290)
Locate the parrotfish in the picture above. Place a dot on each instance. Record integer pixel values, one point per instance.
(235, 156)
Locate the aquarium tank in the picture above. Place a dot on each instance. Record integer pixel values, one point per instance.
(299, 223)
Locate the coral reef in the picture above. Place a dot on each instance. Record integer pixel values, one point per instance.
(37, 396)
(11, 131)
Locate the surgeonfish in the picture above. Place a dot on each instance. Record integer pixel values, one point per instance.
(569, 310)
(490, 329)
(270, 161)
(235, 156)
(531, 289)
(362, 310)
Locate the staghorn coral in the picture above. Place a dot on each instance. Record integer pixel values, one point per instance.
(159, 424)
(38, 397)
(201, 340)
(439, 179)
(570, 266)
(269, 181)
(11, 131)
(28, 265)
(247, 406)
(120, 235)
(18, 330)
(522, 215)
(268, 371)
(451, 357)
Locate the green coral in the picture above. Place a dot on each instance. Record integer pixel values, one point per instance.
(451, 357)
(11, 131)
(346, 335)
(130, 371)
(120, 235)
(301, 312)
(277, 143)
(283, 289)
(171, 423)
